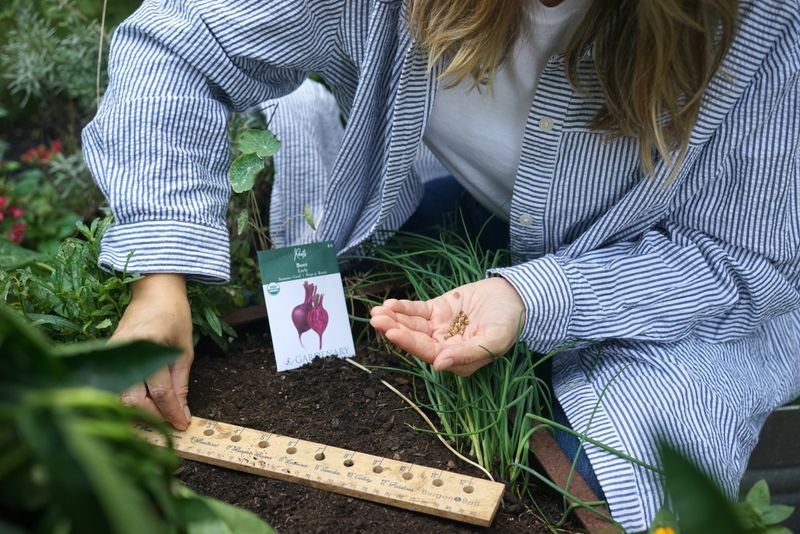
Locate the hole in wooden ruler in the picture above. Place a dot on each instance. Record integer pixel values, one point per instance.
(319, 456)
(263, 444)
(291, 450)
(209, 432)
(468, 489)
(236, 437)
(407, 476)
(377, 469)
(348, 463)
(438, 482)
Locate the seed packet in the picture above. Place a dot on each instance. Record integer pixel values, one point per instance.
(305, 301)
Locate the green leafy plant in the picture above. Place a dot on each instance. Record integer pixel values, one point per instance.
(66, 292)
(697, 506)
(71, 298)
(252, 146)
(255, 148)
(70, 460)
(33, 211)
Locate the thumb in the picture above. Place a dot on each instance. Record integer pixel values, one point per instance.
(467, 353)
(180, 383)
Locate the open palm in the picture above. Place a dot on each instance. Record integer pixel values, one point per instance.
(493, 307)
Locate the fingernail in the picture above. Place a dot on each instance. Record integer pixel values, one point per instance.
(444, 364)
(187, 413)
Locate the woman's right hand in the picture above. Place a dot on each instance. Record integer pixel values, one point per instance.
(159, 312)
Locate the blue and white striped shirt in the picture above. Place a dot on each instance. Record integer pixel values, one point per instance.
(692, 288)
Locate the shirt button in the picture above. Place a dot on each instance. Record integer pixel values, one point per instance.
(526, 219)
(546, 124)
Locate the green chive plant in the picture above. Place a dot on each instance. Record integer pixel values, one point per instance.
(485, 414)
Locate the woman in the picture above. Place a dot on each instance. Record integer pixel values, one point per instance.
(651, 188)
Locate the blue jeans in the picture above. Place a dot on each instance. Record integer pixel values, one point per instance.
(444, 197)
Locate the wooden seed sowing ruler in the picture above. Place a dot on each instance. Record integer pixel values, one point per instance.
(372, 478)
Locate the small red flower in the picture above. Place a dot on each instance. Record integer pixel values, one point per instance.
(29, 156)
(55, 147)
(17, 233)
(3, 203)
(16, 212)
(42, 153)
(2, 216)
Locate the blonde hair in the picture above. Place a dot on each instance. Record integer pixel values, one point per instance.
(654, 58)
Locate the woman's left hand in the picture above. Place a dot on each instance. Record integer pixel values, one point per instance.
(495, 313)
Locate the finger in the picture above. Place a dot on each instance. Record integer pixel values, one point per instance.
(466, 370)
(383, 323)
(473, 352)
(411, 322)
(420, 345)
(136, 396)
(159, 389)
(180, 383)
(410, 307)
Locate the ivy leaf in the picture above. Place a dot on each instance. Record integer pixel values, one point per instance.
(262, 143)
(308, 215)
(243, 172)
(242, 220)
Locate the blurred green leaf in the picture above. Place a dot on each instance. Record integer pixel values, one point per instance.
(238, 520)
(6, 528)
(213, 320)
(113, 367)
(308, 215)
(696, 500)
(243, 172)
(123, 505)
(198, 518)
(748, 517)
(776, 514)
(242, 220)
(664, 519)
(210, 516)
(25, 354)
(262, 143)
(758, 496)
(13, 256)
(41, 319)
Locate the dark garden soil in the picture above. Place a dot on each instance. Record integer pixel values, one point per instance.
(332, 402)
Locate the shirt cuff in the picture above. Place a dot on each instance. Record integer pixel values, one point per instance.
(200, 252)
(546, 293)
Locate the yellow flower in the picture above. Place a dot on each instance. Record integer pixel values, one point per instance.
(664, 530)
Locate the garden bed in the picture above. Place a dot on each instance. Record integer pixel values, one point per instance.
(332, 402)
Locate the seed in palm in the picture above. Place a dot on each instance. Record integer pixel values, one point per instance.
(458, 325)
